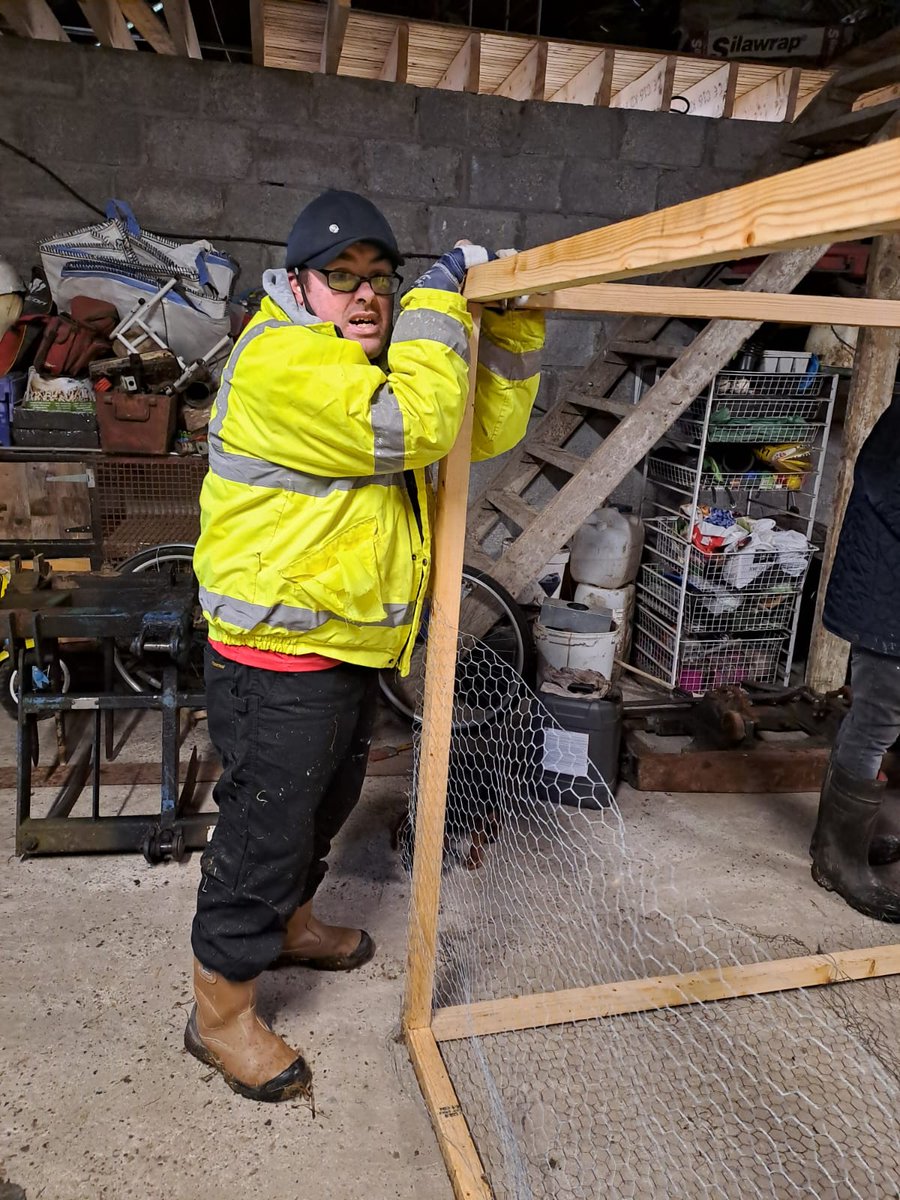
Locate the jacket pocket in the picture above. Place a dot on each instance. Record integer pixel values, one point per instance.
(342, 575)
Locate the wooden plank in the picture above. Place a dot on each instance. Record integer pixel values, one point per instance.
(774, 100)
(665, 991)
(148, 25)
(454, 1137)
(846, 197)
(871, 392)
(556, 456)
(258, 32)
(652, 349)
(106, 19)
(636, 435)
(526, 81)
(396, 61)
(871, 77)
(712, 95)
(852, 126)
(181, 27)
(710, 303)
(651, 91)
(767, 768)
(443, 626)
(333, 39)
(33, 19)
(591, 85)
(464, 72)
(512, 506)
(882, 96)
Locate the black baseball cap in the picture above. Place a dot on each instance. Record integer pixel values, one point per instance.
(331, 223)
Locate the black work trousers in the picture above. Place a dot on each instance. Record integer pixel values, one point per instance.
(294, 747)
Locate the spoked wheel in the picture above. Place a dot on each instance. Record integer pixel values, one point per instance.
(57, 678)
(488, 665)
(172, 560)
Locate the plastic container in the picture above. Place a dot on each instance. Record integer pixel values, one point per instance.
(135, 422)
(548, 581)
(620, 602)
(587, 744)
(606, 550)
(59, 430)
(580, 651)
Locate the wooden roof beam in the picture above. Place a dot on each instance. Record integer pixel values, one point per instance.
(712, 96)
(464, 72)
(652, 90)
(148, 25)
(106, 19)
(336, 20)
(33, 19)
(710, 304)
(527, 80)
(774, 100)
(180, 21)
(591, 85)
(396, 61)
(836, 199)
(258, 32)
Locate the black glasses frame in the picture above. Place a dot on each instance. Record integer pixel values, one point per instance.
(395, 278)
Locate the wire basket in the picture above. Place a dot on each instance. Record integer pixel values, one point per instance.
(696, 665)
(757, 430)
(719, 609)
(768, 385)
(146, 502)
(683, 478)
(662, 538)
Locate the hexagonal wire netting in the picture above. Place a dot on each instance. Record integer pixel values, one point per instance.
(782, 1095)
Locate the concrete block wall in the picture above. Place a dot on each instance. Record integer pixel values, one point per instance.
(232, 152)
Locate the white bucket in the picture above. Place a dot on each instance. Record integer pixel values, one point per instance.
(578, 651)
(552, 574)
(620, 601)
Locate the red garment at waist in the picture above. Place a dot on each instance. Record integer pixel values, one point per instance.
(274, 660)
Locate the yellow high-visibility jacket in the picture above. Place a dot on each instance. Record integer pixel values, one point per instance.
(312, 540)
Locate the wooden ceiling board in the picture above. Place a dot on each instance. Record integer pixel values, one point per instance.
(432, 48)
(630, 65)
(294, 31)
(565, 60)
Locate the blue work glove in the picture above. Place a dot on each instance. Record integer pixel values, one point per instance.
(448, 274)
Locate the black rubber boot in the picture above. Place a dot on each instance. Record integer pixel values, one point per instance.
(848, 813)
(884, 847)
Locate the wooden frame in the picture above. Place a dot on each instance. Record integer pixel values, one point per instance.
(839, 198)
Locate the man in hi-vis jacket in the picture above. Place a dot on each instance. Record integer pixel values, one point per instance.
(313, 565)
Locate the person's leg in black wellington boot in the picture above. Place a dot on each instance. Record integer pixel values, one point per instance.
(848, 813)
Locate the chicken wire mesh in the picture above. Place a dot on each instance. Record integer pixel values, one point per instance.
(781, 1095)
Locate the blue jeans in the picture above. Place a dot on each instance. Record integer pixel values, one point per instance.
(873, 723)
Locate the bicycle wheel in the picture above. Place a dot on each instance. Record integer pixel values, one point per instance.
(170, 559)
(508, 644)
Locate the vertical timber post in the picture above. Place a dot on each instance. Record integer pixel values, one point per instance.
(871, 390)
(437, 717)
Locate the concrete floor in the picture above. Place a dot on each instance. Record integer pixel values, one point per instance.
(98, 1100)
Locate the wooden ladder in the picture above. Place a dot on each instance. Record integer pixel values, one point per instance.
(829, 121)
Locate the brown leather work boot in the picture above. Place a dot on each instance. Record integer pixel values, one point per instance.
(310, 943)
(224, 1031)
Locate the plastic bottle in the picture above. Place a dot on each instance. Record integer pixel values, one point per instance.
(606, 550)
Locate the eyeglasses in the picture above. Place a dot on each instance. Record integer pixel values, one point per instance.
(348, 281)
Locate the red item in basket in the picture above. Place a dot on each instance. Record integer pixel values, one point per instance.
(706, 543)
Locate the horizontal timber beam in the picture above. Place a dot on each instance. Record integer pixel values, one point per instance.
(665, 991)
(711, 303)
(849, 196)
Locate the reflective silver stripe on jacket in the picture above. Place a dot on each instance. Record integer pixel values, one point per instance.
(387, 428)
(433, 326)
(508, 365)
(215, 426)
(245, 615)
(256, 472)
